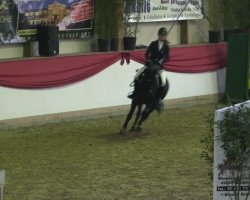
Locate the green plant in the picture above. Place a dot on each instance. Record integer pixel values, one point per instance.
(111, 16)
(242, 13)
(131, 17)
(115, 18)
(235, 136)
(108, 18)
(101, 19)
(215, 14)
(236, 14)
(208, 141)
(229, 19)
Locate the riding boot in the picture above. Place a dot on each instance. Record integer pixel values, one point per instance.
(159, 102)
(159, 105)
(131, 95)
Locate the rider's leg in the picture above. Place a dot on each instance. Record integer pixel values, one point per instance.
(163, 77)
(161, 92)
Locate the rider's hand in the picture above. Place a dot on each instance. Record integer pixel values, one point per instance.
(160, 61)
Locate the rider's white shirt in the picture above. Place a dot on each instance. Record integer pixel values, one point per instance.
(160, 44)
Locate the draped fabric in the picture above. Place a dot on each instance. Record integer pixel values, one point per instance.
(60, 71)
(53, 72)
(190, 59)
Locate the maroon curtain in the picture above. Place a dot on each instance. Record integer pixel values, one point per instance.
(60, 71)
(53, 72)
(190, 59)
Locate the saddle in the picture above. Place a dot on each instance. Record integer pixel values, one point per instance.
(146, 84)
(149, 73)
(153, 67)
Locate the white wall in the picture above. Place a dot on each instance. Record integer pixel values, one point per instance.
(197, 31)
(148, 32)
(11, 51)
(31, 49)
(108, 88)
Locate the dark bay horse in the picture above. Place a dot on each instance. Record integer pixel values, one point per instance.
(146, 93)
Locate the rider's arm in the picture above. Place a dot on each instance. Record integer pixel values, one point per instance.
(166, 54)
(148, 51)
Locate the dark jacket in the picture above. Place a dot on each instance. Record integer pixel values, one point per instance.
(155, 55)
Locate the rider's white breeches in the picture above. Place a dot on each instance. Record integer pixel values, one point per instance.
(161, 73)
(163, 77)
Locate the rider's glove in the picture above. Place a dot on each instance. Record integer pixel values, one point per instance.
(160, 61)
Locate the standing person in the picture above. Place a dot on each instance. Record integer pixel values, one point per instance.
(156, 55)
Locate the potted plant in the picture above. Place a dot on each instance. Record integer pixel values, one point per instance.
(215, 15)
(229, 20)
(115, 23)
(114, 39)
(102, 27)
(108, 20)
(131, 18)
(236, 16)
(242, 15)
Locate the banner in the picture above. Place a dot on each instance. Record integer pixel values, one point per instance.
(167, 10)
(19, 19)
(223, 186)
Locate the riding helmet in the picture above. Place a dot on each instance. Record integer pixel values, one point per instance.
(162, 31)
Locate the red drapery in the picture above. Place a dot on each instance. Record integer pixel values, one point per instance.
(53, 72)
(60, 71)
(190, 59)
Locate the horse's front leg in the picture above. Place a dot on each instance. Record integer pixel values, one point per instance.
(138, 114)
(145, 114)
(129, 116)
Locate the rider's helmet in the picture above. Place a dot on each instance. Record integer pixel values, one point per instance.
(162, 31)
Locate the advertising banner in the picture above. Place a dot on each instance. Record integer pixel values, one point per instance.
(168, 10)
(19, 19)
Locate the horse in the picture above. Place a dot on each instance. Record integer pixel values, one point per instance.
(146, 93)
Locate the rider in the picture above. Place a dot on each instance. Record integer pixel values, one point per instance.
(157, 54)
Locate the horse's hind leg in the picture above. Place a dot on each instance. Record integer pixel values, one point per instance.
(129, 116)
(145, 114)
(138, 114)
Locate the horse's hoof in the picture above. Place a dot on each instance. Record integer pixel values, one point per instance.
(122, 131)
(132, 129)
(138, 128)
